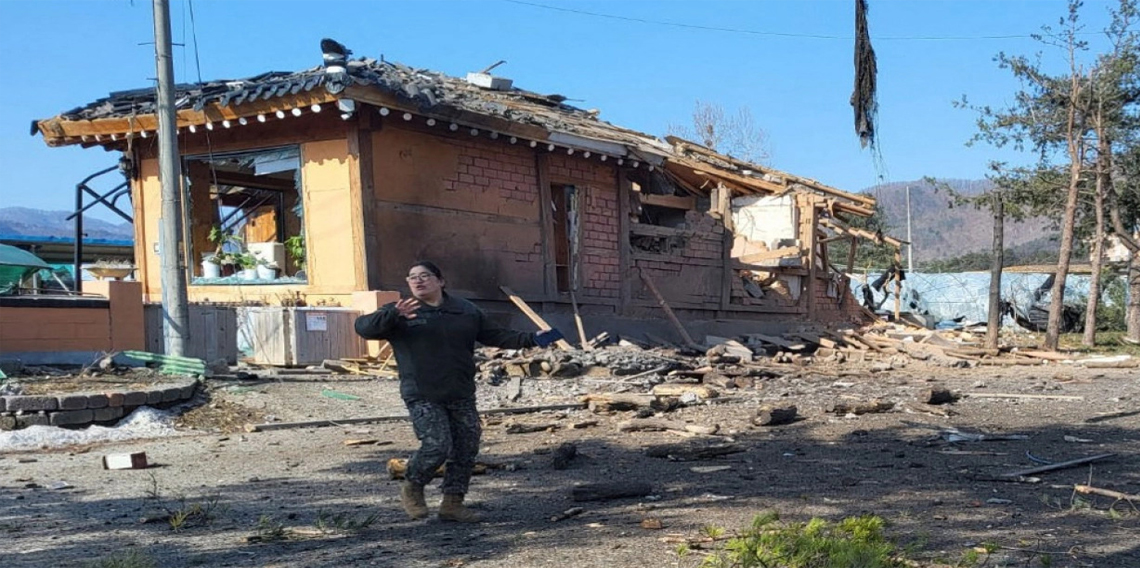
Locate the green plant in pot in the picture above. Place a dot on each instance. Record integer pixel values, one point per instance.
(248, 264)
(295, 246)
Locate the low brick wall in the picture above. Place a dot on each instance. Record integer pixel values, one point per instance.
(82, 409)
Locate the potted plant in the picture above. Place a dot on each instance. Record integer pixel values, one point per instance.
(295, 246)
(248, 264)
(211, 265)
(266, 269)
(221, 257)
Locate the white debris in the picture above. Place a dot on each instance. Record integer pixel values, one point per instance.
(145, 422)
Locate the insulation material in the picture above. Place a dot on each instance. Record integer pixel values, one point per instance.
(765, 219)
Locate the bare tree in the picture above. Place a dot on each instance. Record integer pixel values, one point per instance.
(733, 134)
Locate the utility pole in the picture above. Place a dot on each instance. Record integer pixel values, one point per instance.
(175, 320)
(909, 240)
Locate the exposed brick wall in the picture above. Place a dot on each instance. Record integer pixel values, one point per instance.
(508, 171)
(828, 309)
(490, 167)
(598, 251)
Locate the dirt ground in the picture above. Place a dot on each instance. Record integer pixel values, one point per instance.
(256, 499)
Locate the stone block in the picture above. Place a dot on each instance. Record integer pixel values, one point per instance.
(25, 420)
(31, 403)
(154, 397)
(7, 422)
(134, 398)
(72, 417)
(96, 401)
(116, 399)
(108, 413)
(187, 392)
(3, 403)
(171, 394)
(72, 402)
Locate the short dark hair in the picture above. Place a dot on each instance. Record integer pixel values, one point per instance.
(430, 267)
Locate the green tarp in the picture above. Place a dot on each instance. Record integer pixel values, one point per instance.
(16, 265)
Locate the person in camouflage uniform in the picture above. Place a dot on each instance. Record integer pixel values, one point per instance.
(433, 336)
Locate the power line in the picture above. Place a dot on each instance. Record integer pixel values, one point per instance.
(767, 33)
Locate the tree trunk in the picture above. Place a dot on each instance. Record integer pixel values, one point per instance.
(1069, 220)
(1097, 258)
(993, 320)
(1134, 298)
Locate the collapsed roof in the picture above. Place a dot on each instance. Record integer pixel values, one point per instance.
(495, 107)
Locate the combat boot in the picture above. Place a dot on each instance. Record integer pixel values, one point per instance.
(412, 498)
(452, 509)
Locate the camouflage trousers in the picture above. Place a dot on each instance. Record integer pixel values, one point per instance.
(448, 432)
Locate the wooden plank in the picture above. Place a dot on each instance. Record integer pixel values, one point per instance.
(777, 341)
(658, 231)
(401, 417)
(578, 323)
(668, 311)
(534, 317)
(685, 145)
(670, 201)
(359, 160)
(674, 259)
(56, 129)
(808, 225)
(755, 257)
(624, 193)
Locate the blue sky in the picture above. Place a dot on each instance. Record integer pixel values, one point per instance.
(789, 62)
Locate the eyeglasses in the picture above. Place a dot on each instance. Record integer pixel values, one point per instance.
(422, 277)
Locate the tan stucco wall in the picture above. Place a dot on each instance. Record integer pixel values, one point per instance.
(327, 218)
(117, 327)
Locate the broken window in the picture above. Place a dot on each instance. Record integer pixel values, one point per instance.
(245, 215)
(657, 202)
(564, 203)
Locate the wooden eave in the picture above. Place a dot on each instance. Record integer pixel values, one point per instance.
(681, 145)
(60, 131)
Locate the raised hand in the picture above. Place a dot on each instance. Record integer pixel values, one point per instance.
(407, 307)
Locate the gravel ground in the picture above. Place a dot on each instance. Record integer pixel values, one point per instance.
(899, 465)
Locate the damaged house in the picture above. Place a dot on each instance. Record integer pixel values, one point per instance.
(331, 181)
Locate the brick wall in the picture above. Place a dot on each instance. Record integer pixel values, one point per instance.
(469, 203)
(598, 252)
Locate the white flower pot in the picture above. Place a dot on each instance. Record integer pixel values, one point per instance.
(211, 270)
(266, 272)
(248, 274)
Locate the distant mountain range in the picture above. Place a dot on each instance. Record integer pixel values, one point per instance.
(940, 231)
(26, 222)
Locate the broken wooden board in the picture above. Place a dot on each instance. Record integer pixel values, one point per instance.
(400, 417)
(777, 341)
(702, 392)
(865, 407)
(658, 425)
(609, 491)
(668, 311)
(534, 317)
(690, 452)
